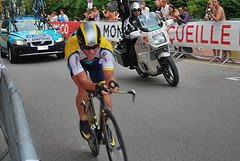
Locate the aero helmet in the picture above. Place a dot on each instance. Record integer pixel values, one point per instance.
(88, 34)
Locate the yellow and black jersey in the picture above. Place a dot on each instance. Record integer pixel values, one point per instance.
(78, 62)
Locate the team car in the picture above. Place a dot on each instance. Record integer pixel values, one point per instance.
(29, 35)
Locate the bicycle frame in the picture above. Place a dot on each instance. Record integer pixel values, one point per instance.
(96, 126)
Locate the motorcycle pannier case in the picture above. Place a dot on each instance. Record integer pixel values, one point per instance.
(121, 58)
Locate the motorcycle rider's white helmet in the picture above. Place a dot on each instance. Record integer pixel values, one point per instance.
(135, 6)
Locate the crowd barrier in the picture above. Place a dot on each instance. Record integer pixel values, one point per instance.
(223, 35)
(13, 122)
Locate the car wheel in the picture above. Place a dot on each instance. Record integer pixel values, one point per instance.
(60, 56)
(3, 55)
(11, 56)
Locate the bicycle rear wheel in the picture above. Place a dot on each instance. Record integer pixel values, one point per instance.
(92, 120)
(113, 138)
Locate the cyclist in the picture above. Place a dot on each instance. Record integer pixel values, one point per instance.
(89, 52)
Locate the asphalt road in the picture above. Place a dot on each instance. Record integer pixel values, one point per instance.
(199, 120)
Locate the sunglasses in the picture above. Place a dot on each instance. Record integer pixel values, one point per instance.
(135, 10)
(84, 47)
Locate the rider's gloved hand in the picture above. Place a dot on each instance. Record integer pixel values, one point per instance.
(101, 89)
(113, 86)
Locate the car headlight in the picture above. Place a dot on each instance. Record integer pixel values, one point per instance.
(60, 39)
(20, 42)
(159, 38)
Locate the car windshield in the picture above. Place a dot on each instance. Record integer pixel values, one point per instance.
(26, 25)
(148, 21)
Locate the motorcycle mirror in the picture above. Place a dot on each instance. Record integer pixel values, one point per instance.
(161, 24)
(169, 22)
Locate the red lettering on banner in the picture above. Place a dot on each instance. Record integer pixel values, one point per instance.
(189, 33)
(66, 28)
(224, 34)
(203, 41)
(180, 40)
(171, 27)
(197, 34)
(211, 37)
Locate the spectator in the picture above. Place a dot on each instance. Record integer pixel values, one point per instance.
(173, 13)
(145, 9)
(208, 9)
(157, 4)
(113, 16)
(96, 14)
(110, 16)
(54, 17)
(164, 8)
(86, 16)
(184, 16)
(106, 13)
(218, 14)
(48, 18)
(62, 17)
(123, 12)
(91, 15)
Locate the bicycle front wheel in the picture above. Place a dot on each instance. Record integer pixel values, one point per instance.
(92, 120)
(113, 138)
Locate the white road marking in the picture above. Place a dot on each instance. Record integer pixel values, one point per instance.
(234, 78)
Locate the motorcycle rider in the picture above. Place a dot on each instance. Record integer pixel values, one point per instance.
(136, 10)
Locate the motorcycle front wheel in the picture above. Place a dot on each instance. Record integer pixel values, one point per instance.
(170, 71)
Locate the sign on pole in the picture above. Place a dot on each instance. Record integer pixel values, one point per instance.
(90, 4)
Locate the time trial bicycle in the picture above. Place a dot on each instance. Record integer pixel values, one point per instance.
(104, 127)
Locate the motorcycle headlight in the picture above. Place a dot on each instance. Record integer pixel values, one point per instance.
(159, 38)
(60, 39)
(20, 42)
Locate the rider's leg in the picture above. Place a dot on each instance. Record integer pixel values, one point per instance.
(84, 126)
(81, 96)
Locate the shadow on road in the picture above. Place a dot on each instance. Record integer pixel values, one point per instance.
(158, 81)
(36, 59)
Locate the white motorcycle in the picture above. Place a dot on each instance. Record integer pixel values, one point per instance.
(152, 49)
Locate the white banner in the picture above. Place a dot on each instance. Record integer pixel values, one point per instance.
(111, 30)
(224, 35)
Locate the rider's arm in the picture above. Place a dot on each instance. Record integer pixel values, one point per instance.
(107, 64)
(82, 80)
(108, 75)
